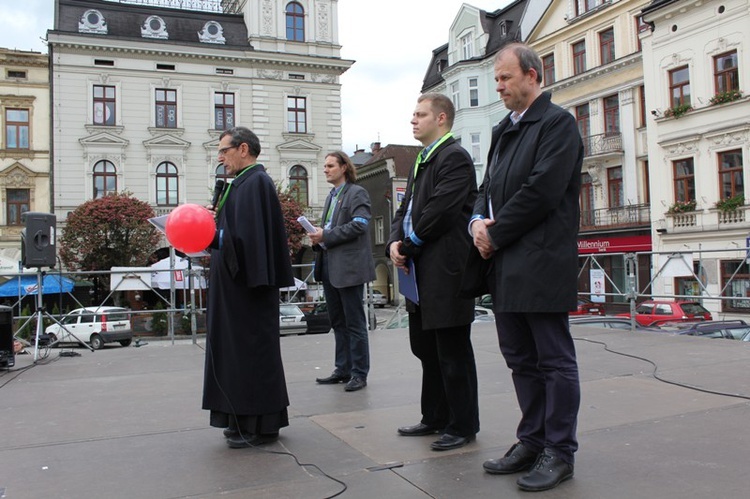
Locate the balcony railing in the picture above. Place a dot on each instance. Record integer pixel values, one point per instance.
(708, 220)
(221, 6)
(637, 215)
(602, 144)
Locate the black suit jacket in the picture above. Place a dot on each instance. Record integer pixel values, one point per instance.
(443, 192)
(533, 183)
(350, 261)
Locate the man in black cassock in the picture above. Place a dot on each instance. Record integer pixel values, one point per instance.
(244, 385)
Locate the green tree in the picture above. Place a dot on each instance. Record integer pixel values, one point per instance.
(292, 209)
(109, 231)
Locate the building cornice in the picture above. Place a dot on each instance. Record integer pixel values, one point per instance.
(598, 72)
(239, 56)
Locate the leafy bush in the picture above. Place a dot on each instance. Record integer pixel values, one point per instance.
(730, 204)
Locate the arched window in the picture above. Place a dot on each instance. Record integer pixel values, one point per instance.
(105, 179)
(167, 192)
(295, 22)
(298, 184)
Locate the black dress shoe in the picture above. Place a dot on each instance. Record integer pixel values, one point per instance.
(231, 432)
(518, 458)
(335, 377)
(547, 473)
(448, 442)
(418, 430)
(355, 384)
(238, 442)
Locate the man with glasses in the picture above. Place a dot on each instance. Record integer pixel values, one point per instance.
(244, 385)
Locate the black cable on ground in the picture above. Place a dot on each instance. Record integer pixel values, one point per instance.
(656, 368)
(281, 453)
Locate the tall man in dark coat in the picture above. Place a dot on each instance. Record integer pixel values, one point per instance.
(526, 222)
(430, 229)
(244, 385)
(344, 264)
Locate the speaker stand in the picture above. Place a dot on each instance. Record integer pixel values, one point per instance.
(41, 313)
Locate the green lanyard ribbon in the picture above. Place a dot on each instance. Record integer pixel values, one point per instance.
(229, 187)
(421, 159)
(333, 205)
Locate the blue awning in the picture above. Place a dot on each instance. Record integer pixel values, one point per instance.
(28, 285)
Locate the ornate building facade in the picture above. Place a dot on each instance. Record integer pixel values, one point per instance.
(24, 146)
(141, 92)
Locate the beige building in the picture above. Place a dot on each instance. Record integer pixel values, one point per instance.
(24, 146)
(697, 68)
(592, 65)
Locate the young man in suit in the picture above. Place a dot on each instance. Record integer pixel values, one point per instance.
(344, 264)
(526, 223)
(430, 229)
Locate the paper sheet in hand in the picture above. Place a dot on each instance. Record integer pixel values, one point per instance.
(305, 223)
(407, 283)
(161, 224)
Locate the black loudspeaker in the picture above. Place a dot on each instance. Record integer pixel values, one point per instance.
(7, 357)
(38, 239)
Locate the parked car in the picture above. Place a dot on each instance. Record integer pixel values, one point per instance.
(318, 320)
(606, 322)
(587, 307)
(730, 329)
(400, 320)
(93, 325)
(291, 319)
(655, 312)
(379, 299)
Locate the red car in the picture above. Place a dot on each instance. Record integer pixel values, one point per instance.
(655, 312)
(587, 307)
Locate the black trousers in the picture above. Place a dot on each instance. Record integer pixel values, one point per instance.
(539, 350)
(449, 377)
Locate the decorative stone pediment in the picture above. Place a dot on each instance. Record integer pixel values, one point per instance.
(17, 176)
(168, 141)
(298, 145)
(103, 139)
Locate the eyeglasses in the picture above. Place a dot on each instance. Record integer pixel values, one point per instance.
(224, 150)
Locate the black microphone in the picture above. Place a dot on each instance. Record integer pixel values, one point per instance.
(218, 189)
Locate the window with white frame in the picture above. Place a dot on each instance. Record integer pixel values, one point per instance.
(473, 92)
(455, 95)
(379, 230)
(467, 47)
(476, 149)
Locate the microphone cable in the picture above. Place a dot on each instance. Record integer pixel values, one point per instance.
(280, 453)
(659, 378)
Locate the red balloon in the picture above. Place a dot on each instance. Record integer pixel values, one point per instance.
(190, 228)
